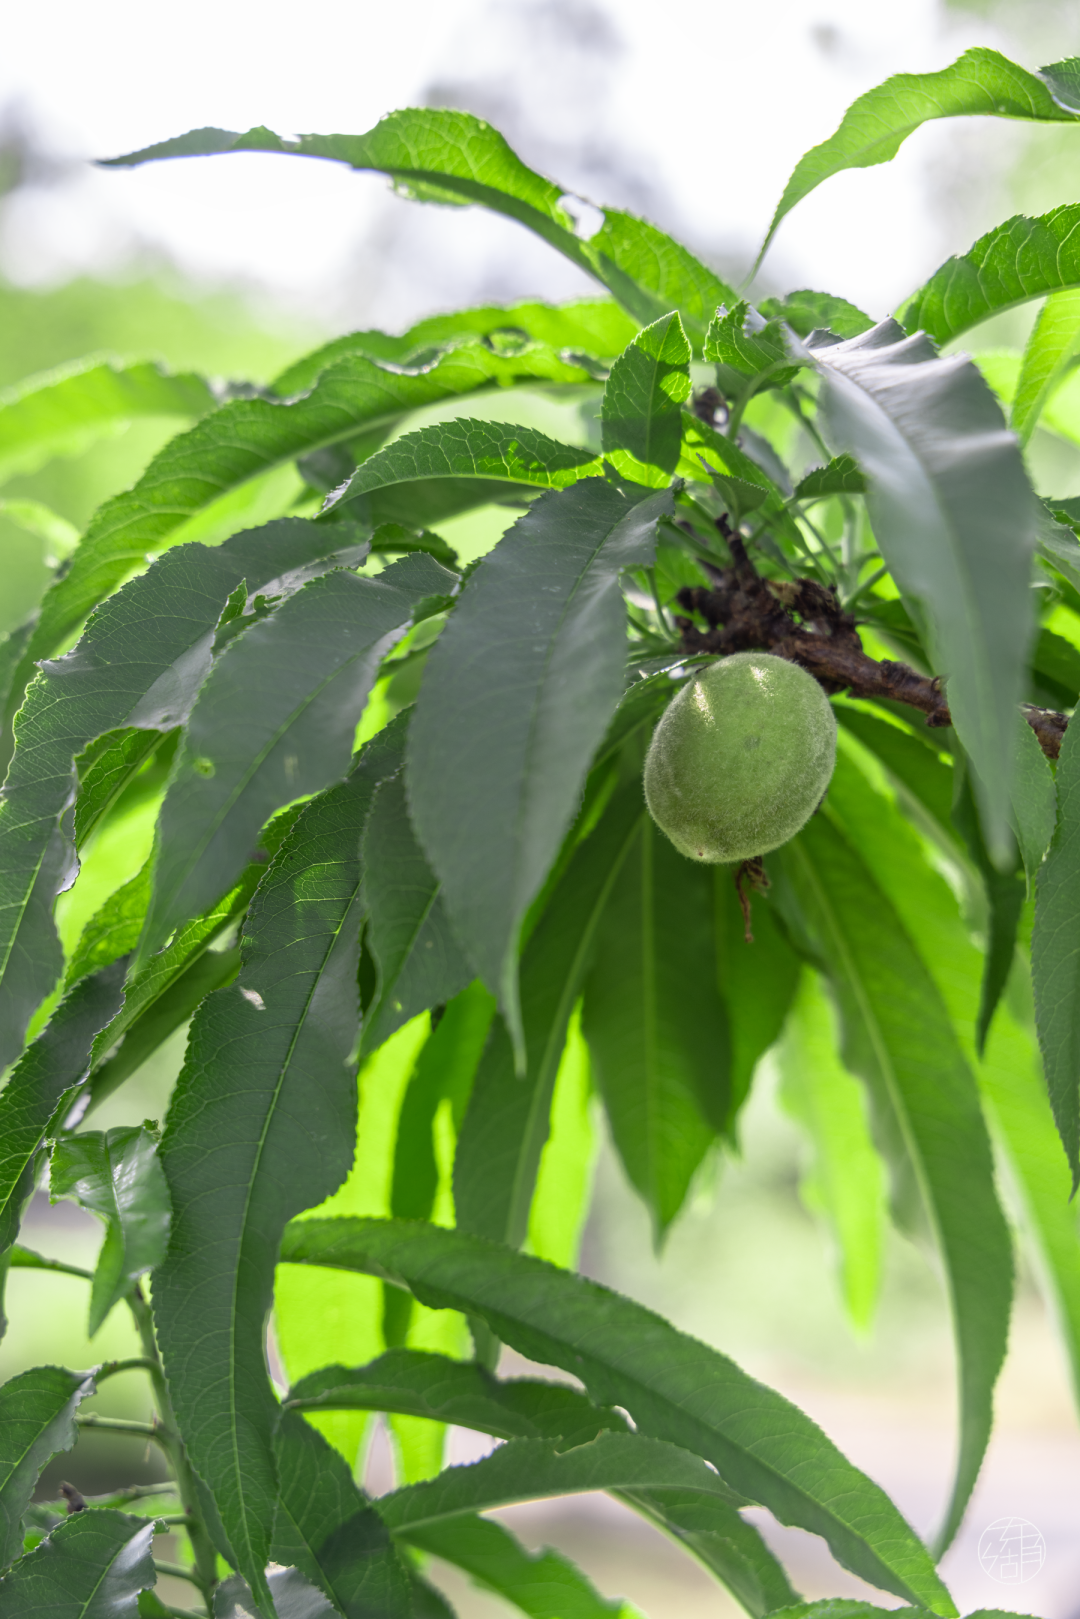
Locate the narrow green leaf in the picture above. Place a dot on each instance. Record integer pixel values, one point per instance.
(113, 931)
(924, 772)
(60, 536)
(807, 311)
(530, 1469)
(593, 325)
(507, 722)
(544, 1584)
(673, 1387)
(62, 412)
(325, 1528)
(116, 1174)
(845, 1183)
(1005, 894)
(92, 1566)
(1034, 805)
(841, 476)
(109, 768)
(464, 1393)
(142, 656)
(445, 1070)
(955, 518)
(418, 960)
(1055, 956)
(655, 1022)
(1014, 1090)
(876, 125)
(274, 721)
(1012, 264)
(757, 982)
(451, 466)
(436, 155)
(641, 415)
(508, 1117)
(899, 1039)
(1051, 349)
(250, 1143)
(419, 1384)
(48, 1073)
(37, 1410)
(248, 437)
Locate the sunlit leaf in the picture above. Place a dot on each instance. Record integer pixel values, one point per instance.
(641, 416)
(876, 125)
(437, 155)
(1055, 953)
(62, 412)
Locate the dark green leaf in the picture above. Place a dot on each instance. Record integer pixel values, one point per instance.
(64, 411)
(478, 461)
(673, 1387)
(512, 709)
(116, 1174)
(47, 1074)
(326, 1529)
(392, 539)
(544, 1584)
(419, 962)
(757, 982)
(899, 1039)
(807, 311)
(37, 1411)
(92, 1566)
(1034, 799)
(592, 325)
(955, 518)
(1013, 263)
(251, 1141)
(436, 155)
(841, 476)
(508, 1117)
(655, 1023)
(274, 721)
(876, 125)
(418, 1384)
(147, 648)
(451, 1391)
(641, 415)
(529, 1469)
(706, 450)
(1055, 954)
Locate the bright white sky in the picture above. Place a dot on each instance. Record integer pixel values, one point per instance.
(718, 97)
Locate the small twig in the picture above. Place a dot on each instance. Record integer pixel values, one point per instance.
(178, 1571)
(137, 1363)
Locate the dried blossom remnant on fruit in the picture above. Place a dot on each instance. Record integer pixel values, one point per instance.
(741, 758)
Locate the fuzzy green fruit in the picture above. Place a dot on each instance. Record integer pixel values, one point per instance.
(741, 758)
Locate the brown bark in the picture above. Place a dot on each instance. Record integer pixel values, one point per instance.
(802, 621)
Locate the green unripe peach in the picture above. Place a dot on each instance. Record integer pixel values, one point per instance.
(741, 758)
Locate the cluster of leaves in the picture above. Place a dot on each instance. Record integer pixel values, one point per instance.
(400, 831)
